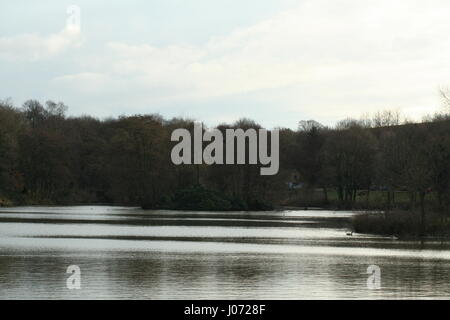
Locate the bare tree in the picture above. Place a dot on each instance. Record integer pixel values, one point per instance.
(386, 118)
(445, 94)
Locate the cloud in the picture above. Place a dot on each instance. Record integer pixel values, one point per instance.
(87, 81)
(32, 46)
(324, 57)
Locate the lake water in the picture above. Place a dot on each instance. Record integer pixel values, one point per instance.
(129, 253)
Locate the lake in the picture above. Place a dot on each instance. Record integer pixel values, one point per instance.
(130, 253)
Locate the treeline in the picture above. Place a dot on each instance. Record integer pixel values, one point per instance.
(49, 158)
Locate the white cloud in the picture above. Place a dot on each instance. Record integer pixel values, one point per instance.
(87, 81)
(32, 46)
(335, 58)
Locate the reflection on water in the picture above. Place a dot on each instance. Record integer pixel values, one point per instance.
(128, 253)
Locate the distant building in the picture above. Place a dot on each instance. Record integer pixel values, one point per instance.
(295, 185)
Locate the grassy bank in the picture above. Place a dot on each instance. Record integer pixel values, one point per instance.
(5, 202)
(388, 213)
(364, 200)
(403, 224)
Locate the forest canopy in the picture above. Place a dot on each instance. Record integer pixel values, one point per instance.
(47, 157)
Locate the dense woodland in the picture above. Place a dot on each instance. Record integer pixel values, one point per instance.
(49, 158)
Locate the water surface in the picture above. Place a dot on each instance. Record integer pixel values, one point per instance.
(129, 253)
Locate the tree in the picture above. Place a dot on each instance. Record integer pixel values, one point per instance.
(11, 125)
(350, 152)
(35, 113)
(309, 156)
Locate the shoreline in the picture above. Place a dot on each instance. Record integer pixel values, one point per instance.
(374, 222)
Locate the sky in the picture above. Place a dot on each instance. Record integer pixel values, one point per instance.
(274, 61)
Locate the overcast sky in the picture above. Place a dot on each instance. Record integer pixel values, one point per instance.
(274, 61)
